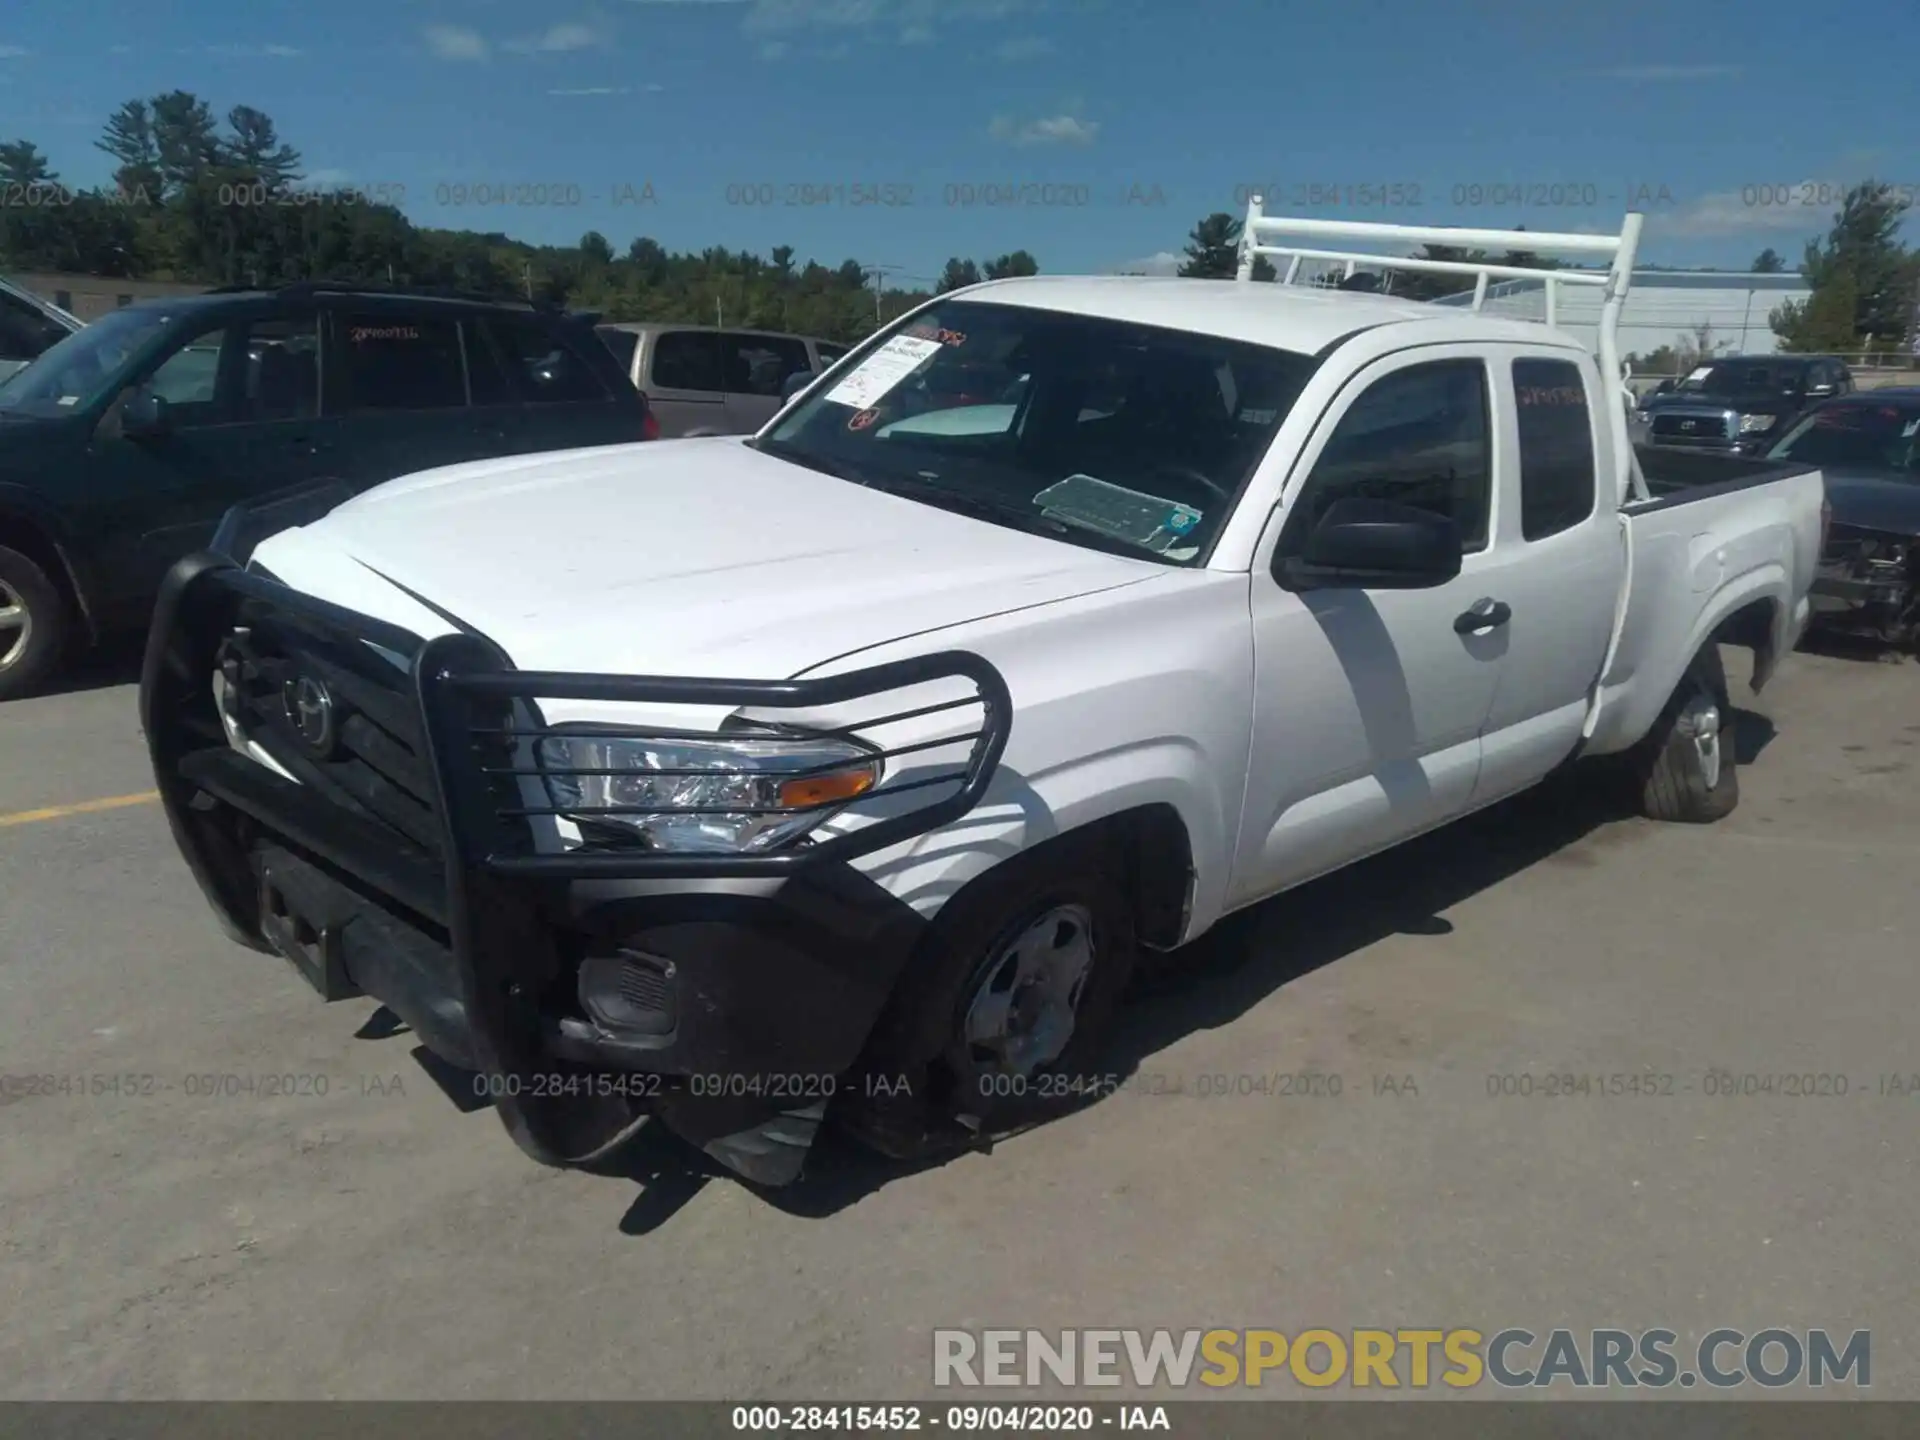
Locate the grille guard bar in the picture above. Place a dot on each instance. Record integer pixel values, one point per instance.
(461, 682)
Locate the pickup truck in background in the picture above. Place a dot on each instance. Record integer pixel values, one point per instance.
(1740, 403)
(844, 771)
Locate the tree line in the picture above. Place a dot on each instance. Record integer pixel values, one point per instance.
(176, 211)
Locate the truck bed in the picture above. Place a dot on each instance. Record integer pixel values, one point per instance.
(1678, 477)
(1724, 550)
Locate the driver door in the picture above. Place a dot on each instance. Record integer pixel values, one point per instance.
(1369, 703)
(242, 410)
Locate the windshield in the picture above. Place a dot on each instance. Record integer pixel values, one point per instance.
(75, 372)
(1862, 435)
(1100, 432)
(1737, 377)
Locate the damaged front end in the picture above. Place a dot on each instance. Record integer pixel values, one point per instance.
(1868, 585)
(381, 810)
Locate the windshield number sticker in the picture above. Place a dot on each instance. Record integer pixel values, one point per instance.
(1700, 374)
(882, 371)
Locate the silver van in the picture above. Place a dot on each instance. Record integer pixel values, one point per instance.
(701, 380)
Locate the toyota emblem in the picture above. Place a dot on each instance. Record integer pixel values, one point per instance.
(309, 709)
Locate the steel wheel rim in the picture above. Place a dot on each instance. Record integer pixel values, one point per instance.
(1701, 724)
(1021, 1014)
(16, 626)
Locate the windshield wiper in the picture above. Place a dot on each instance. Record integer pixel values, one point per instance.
(785, 450)
(1012, 514)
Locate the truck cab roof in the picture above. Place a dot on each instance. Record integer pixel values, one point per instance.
(1302, 319)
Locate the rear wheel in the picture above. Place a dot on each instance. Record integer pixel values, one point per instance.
(33, 624)
(1686, 768)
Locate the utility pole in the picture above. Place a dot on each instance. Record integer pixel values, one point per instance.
(880, 273)
(526, 275)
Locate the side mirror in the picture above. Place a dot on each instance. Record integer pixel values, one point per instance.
(1364, 544)
(145, 416)
(1665, 387)
(795, 383)
(1820, 391)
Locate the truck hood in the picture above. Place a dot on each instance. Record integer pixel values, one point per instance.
(1873, 500)
(699, 558)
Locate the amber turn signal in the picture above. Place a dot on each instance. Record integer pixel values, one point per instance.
(839, 787)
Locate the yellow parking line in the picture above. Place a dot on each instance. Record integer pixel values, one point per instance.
(84, 807)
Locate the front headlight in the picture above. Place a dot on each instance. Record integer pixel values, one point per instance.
(1757, 424)
(727, 794)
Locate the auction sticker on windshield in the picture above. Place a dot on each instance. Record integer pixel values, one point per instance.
(1700, 374)
(881, 371)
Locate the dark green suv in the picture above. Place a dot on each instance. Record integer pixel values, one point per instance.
(122, 446)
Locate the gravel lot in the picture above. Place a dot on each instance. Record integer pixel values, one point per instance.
(377, 1241)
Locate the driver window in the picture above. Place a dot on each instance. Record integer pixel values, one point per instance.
(189, 380)
(1419, 437)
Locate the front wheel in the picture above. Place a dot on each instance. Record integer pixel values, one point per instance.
(1687, 771)
(1009, 1004)
(33, 624)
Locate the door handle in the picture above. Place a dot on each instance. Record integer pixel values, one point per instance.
(1482, 616)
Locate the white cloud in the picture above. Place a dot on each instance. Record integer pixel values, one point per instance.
(1048, 130)
(912, 21)
(774, 49)
(603, 90)
(1732, 212)
(322, 178)
(1163, 263)
(455, 42)
(1669, 72)
(228, 50)
(558, 39)
(14, 52)
(1024, 47)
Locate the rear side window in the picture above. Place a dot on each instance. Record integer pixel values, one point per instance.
(397, 361)
(1557, 475)
(688, 360)
(622, 343)
(543, 366)
(760, 364)
(828, 353)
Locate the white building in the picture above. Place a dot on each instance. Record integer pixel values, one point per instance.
(1664, 307)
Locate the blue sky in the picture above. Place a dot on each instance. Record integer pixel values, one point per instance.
(1126, 119)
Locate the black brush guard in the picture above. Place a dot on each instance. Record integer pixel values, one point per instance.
(439, 904)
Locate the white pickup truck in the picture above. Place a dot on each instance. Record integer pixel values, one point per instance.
(844, 770)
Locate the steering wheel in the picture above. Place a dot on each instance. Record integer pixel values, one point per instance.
(1193, 475)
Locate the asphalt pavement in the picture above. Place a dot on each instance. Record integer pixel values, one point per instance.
(190, 1234)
